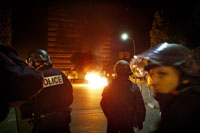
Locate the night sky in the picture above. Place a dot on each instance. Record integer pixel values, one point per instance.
(134, 17)
(29, 21)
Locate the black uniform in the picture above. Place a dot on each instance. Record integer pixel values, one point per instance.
(16, 77)
(180, 113)
(51, 107)
(123, 106)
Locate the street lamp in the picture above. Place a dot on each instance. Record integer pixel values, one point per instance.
(125, 36)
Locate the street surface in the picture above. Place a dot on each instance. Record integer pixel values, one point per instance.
(87, 116)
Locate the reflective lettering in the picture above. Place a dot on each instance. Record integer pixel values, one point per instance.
(53, 80)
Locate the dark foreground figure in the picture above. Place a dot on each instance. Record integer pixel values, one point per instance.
(122, 102)
(19, 82)
(174, 74)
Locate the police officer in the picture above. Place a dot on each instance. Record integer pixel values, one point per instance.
(50, 109)
(174, 75)
(16, 76)
(122, 102)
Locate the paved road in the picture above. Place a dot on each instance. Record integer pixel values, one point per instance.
(87, 116)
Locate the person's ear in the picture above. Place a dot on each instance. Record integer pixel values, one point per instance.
(185, 81)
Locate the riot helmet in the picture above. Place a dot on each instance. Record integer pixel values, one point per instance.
(170, 55)
(41, 56)
(122, 68)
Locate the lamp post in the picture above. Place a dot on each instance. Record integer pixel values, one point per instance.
(125, 36)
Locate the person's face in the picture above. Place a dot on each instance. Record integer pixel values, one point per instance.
(29, 62)
(32, 63)
(163, 79)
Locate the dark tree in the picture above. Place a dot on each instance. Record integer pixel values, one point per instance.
(193, 34)
(159, 31)
(177, 25)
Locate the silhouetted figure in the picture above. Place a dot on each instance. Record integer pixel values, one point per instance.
(174, 75)
(122, 102)
(50, 109)
(19, 82)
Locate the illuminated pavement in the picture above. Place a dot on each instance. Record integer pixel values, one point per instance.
(87, 116)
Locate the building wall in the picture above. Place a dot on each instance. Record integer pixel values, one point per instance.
(70, 33)
(63, 38)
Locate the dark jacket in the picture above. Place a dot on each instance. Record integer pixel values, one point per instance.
(180, 112)
(122, 103)
(19, 82)
(56, 96)
(51, 107)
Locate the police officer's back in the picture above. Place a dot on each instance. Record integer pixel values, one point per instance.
(51, 107)
(122, 102)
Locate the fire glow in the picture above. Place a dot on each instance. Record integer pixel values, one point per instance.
(95, 81)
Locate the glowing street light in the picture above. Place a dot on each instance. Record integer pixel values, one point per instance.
(125, 36)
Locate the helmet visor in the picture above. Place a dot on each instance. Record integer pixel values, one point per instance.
(137, 65)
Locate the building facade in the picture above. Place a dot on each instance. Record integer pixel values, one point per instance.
(72, 33)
